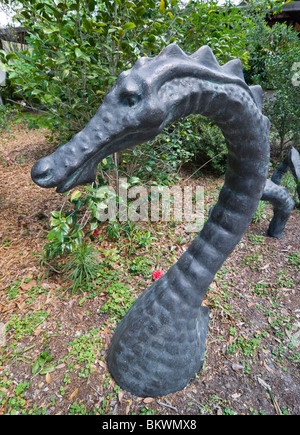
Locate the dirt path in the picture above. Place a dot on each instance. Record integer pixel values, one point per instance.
(252, 364)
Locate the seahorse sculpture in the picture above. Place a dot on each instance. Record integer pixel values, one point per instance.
(292, 163)
(160, 343)
(282, 202)
(283, 205)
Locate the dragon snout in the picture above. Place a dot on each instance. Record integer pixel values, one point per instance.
(64, 170)
(42, 173)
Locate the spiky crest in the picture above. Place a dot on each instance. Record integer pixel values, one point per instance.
(234, 68)
(172, 50)
(205, 56)
(256, 91)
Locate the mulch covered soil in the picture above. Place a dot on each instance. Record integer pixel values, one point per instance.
(252, 362)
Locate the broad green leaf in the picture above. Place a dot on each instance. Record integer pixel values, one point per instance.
(75, 195)
(55, 214)
(88, 24)
(134, 180)
(128, 26)
(94, 226)
(48, 369)
(11, 56)
(35, 367)
(51, 30)
(162, 7)
(79, 53)
(140, 11)
(52, 234)
(65, 73)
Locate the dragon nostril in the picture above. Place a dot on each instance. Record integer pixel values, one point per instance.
(46, 175)
(42, 174)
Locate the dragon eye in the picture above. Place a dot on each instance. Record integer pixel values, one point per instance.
(130, 100)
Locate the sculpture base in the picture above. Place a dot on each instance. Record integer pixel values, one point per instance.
(160, 364)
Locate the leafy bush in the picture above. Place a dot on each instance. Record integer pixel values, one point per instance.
(272, 61)
(209, 145)
(68, 232)
(223, 29)
(162, 158)
(7, 115)
(77, 48)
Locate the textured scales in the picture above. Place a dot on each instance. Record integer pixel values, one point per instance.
(283, 205)
(160, 343)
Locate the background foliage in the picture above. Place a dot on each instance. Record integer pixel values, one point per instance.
(272, 58)
(76, 50)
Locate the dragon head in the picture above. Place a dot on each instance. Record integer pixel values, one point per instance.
(142, 102)
(130, 114)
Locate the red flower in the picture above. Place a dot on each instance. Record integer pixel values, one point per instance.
(96, 232)
(157, 274)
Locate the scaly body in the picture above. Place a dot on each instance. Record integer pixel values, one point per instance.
(160, 343)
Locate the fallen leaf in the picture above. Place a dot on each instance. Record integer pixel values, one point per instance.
(128, 407)
(48, 378)
(28, 285)
(236, 367)
(268, 368)
(148, 400)
(60, 366)
(102, 364)
(120, 396)
(37, 332)
(71, 397)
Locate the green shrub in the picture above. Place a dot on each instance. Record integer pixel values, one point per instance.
(83, 266)
(272, 59)
(77, 48)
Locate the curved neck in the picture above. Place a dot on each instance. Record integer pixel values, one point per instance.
(246, 132)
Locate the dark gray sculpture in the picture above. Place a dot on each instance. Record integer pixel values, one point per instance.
(279, 197)
(160, 343)
(292, 163)
(283, 205)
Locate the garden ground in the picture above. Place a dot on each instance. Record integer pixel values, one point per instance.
(53, 344)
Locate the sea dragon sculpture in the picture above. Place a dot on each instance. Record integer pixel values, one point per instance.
(282, 202)
(292, 163)
(160, 343)
(283, 205)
